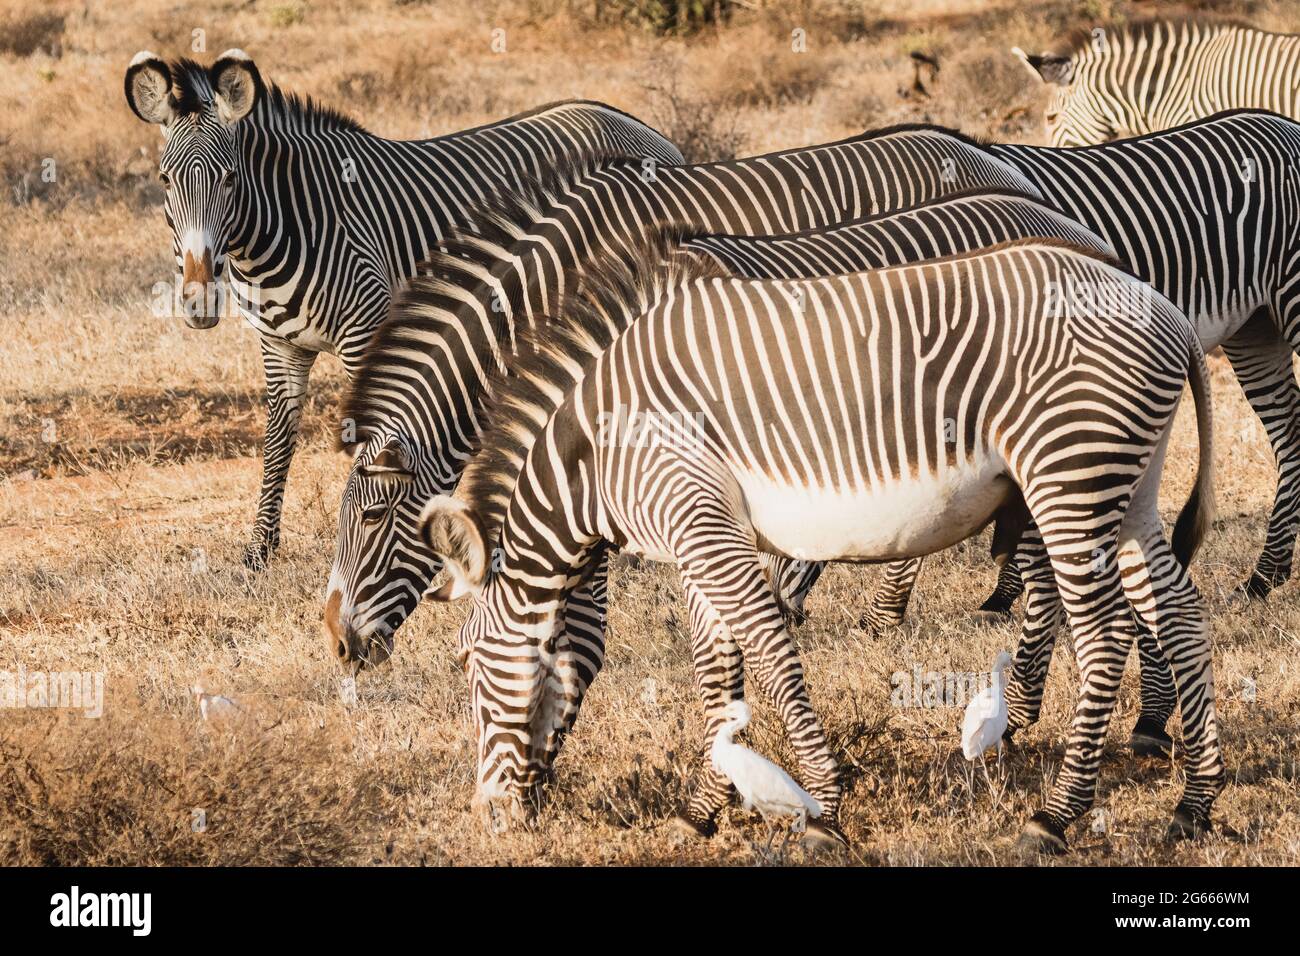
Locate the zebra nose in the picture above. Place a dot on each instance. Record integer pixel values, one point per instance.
(197, 273)
(197, 278)
(351, 648)
(335, 631)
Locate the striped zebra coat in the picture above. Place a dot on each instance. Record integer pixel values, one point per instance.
(743, 416)
(1209, 214)
(962, 223)
(415, 407)
(317, 221)
(1142, 78)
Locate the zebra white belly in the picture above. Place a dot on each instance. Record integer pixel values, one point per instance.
(906, 518)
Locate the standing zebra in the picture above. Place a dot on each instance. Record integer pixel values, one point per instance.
(769, 417)
(415, 406)
(321, 220)
(1130, 80)
(1209, 214)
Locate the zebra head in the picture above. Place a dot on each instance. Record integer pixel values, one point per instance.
(381, 566)
(523, 685)
(1081, 110)
(198, 111)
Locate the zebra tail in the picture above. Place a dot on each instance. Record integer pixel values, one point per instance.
(1198, 514)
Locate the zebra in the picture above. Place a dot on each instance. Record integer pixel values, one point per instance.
(944, 226)
(799, 442)
(1141, 78)
(414, 409)
(320, 220)
(964, 222)
(1209, 214)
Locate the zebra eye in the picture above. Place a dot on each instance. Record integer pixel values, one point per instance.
(165, 180)
(228, 181)
(374, 514)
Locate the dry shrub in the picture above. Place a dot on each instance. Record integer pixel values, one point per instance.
(705, 127)
(406, 81)
(122, 790)
(25, 34)
(776, 77)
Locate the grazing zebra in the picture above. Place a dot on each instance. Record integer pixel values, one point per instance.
(742, 416)
(320, 220)
(414, 410)
(1209, 214)
(1130, 80)
(960, 223)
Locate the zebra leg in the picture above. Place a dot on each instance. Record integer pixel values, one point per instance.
(1009, 587)
(1089, 583)
(287, 368)
(584, 632)
(719, 679)
(889, 603)
(723, 565)
(791, 581)
(1033, 657)
(1158, 694)
(1008, 528)
(1262, 362)
(1169, 607)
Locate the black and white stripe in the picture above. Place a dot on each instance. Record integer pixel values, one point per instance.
(795, 418)
(1209, 214)
(416, 404)
(1142, 78)
(319, 220)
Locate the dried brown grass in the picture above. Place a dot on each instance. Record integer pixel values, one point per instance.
(123, 554)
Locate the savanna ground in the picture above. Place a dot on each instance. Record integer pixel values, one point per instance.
(128, 474)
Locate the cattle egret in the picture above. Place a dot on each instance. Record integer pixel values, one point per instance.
(986, 716)
(762, 785)
(213, 707)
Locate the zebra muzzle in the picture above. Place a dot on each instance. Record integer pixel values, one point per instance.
(198, 288)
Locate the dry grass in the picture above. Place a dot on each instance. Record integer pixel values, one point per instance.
(120, 529)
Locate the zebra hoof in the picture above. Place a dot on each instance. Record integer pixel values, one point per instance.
(878, 624)
(987, 618)
(1150, 740)
(257, 556)
(824, 836)
(1256, 587)
(683, 827)
(1043, 837)
(795, 617)
(1186, 825)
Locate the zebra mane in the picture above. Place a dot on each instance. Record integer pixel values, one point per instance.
(1149, 28)
(553, 355)
(192, 92)
(1051, 242)
(431, 303)
(689, 233)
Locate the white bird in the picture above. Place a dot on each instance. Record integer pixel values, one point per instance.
(214, 707)
(986, 716)
(760, 783)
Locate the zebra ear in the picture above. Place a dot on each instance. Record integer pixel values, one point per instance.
(391, 463)
(1048, 67)
(237, 85)
(149, 89)
(454, 533)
